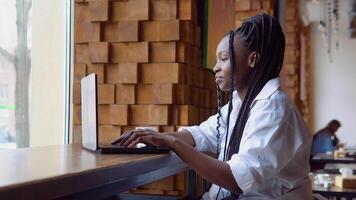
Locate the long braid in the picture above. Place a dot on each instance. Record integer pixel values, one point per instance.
(219, 101)
(263, 34)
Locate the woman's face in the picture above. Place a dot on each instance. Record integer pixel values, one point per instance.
(223, 70)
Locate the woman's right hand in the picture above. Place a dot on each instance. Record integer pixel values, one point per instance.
(147, 136)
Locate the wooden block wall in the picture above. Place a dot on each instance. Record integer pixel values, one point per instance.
(248, 8)
(290, 69)
(305, 100)
(295, 72)
(148, 58)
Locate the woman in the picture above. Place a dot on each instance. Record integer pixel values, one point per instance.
(261, 139)
(325, 140)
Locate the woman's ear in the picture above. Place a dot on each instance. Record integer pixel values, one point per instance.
(252, 59)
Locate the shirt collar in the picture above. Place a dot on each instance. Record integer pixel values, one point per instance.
(270, 87)
(267, 90)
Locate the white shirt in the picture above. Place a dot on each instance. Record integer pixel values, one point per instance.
(273, 161)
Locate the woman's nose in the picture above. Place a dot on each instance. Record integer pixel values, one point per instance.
(216, 68)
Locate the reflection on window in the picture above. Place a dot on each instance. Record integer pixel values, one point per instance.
(15, 68)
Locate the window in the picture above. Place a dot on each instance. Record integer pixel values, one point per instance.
(15, 67)
(34, 72)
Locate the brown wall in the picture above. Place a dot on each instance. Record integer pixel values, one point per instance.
(148, 58)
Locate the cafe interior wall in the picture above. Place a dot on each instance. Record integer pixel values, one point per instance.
(333, 79)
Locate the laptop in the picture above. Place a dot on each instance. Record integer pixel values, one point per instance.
(90, 134)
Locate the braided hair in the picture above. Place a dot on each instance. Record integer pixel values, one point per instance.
(263, 34)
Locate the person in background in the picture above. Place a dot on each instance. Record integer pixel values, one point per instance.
(325, 140)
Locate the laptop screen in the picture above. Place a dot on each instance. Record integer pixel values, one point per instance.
(89, 112)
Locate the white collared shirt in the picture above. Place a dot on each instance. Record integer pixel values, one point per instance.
(273, 161)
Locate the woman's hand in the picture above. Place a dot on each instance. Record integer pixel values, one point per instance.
(147, 136)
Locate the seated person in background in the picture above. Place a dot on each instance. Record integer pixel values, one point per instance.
(325, 139)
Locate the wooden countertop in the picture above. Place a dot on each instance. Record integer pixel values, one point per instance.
(68, 169)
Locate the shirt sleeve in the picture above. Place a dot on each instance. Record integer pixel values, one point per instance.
(269, 142)
(204, 135)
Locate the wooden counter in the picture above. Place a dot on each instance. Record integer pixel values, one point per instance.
(70, 172)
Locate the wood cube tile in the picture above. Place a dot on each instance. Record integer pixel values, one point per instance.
(126, 73)
(113, 114)
(162, 73)
(167, 30)
(132, 10)
(213, 99)
(209, 79)
(256, 4)
(185, 10)
(163, 52)
(291, 13)
(145, 94)
(82, 13)
(77, 93)
(195, 91)
(156, 94)
(77, 114)
(80, 71)
(242, 5)
(97, 69)
(197, 55)
(188, 115)
(149, 114)
(164, 184)
(207, 97)
(77, 134)
(169, 52)
(136, 52)
(125, 94)
(108, 134)
(197, 36)
(183, 94)
(82, 53)
(202, 114)
(99, 52)
(187, 32)
(267, 4)
(184, 54)
(163, 9)
(99, 10)
(106, 94)
(123, 31)
(85, 32)
(193, 76)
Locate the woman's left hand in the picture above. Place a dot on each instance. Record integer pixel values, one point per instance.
(131, 138)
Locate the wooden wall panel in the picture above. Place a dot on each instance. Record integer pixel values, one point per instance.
(147, 55)
(130, 10)
(123, 31)
(99, 10)
(126, 73)
(163, 9)
(135, 52)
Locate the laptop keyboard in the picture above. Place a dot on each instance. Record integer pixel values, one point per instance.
(115, 149)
